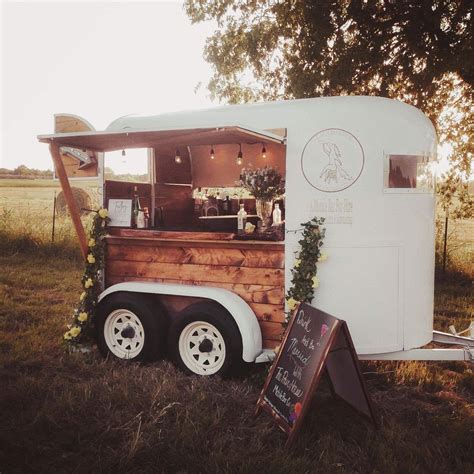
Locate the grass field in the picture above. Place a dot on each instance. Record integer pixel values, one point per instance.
(76, 412)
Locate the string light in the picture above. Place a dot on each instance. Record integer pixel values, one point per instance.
(177, 157)
(264, 151)
(240, 156)
(212, 152)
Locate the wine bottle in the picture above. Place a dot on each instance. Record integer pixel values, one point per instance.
(241, 220)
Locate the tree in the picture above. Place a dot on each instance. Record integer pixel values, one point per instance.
(418, 51)
(22, 170)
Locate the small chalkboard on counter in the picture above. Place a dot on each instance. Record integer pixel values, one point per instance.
(314, 342)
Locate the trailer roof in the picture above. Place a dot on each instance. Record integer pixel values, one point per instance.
(118, 140)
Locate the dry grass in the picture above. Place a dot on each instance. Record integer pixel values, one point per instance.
(78, 413)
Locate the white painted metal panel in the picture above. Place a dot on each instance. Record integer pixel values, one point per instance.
(373, 274)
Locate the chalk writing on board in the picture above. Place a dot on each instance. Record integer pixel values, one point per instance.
(314, 342)
(298, 361)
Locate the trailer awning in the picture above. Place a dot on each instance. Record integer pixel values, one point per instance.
(118, 140)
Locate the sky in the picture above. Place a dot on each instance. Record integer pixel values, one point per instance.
(98, 60)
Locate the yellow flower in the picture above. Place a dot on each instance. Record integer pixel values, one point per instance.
(322, 258)
(75, 331)
(91, 258)
(315, 282)
(91, 242)
(82, 317)
(292, 303)
(67, 336)
(297, 263)
(83, 295)
(88, 283)
(103, 213)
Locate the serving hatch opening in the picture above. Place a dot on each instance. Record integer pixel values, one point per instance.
(181, 190)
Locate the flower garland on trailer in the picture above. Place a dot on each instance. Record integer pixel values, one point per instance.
(81, 328)
(304, 280)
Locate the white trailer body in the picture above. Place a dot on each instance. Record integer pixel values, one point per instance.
(365, 164)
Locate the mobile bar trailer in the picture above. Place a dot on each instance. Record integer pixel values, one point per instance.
(185, 285)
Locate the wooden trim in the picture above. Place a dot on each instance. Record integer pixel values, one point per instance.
(265, 294)
(196, 256)
(225, 274)
(71, 203)
(175, 242)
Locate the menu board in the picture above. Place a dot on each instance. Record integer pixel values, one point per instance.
(120, 212)
(314, 341)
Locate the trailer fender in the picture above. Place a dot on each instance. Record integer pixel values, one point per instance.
(241, 312)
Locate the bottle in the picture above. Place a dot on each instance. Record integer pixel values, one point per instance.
(146, 215)
(135, 207)
(241, 220)
(219, 203)
(226, 205)
(140, 219)
(277, 215)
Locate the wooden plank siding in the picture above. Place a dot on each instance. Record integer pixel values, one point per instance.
(253, 271)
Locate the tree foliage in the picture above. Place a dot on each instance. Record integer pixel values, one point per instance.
(418, 51)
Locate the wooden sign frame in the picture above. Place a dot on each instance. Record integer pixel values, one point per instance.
(338, 357)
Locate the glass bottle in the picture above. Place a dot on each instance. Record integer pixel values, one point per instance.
(241, 220)
(135, 207)
(277, 215)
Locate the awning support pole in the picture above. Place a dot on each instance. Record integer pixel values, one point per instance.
(71, 203)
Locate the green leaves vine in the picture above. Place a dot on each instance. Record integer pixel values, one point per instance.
(304, 280)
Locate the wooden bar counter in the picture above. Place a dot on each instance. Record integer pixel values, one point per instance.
(252, 269)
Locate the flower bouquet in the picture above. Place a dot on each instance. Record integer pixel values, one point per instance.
(265, 184)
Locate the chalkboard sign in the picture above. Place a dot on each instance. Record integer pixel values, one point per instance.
(314, 341)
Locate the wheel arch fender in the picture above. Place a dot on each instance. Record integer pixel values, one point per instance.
(240, 311)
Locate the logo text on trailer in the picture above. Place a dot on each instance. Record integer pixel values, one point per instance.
(332, 160)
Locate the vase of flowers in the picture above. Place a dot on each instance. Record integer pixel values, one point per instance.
(265, 184)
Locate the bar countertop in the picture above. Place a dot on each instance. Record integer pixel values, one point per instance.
(205, 239)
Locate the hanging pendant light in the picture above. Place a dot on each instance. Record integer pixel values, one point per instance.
(264, 151)
(177, 157)
(240, 156)
(212, 152)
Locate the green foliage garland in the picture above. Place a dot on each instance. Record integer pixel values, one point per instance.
(81, 329)
(304, 280)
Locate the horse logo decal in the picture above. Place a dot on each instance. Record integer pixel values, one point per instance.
(332, 160)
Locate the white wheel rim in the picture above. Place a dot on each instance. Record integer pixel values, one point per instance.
(124, 334)
(202, 348)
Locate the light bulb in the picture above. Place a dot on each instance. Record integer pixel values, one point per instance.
(123, 153)
(239, 159)
(177, 157)
(212, 153)
(240, 156)
(264, 152)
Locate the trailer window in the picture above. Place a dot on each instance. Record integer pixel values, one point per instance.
(408, 173)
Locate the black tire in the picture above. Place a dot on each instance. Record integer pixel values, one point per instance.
(145, 343)
(227, 330)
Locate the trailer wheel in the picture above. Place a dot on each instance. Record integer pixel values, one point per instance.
(205, 340)
(129, 327)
